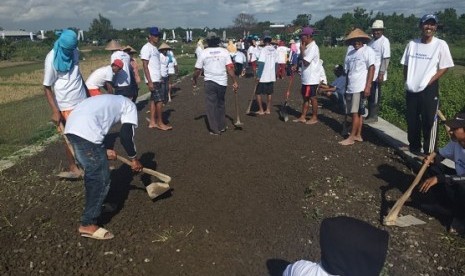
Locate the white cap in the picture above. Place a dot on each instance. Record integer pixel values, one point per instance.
(378, 24)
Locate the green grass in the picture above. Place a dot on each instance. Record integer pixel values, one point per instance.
(17, 69)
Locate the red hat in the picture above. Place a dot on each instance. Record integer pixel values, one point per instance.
(118, 62)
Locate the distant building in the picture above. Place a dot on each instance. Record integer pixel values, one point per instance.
(17, 35)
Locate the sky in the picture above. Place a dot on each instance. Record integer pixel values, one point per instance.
(35, 15)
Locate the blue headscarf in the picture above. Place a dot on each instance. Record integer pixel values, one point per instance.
(64, 48)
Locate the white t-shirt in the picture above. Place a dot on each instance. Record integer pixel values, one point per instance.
(68, 87)
(164, 65)
(214, 61)
(98, 78)
(356, 65)
(123, 77)
(172, 65)
(269, 56)
(311, 74)
(423, 61)
(93, 117)
(382, 49)
(252, 53)
(151, 54)
(305, 268)
(456, 153)
(283, 51)
(240, 57)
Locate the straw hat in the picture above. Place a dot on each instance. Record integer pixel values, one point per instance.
(164, 46)
(357, 33)
(113, 45)
(129, 49)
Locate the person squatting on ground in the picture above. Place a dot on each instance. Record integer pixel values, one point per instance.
(266, 75)
(103, 78)
(135, 76)
(122, 81)
(64, 86)
(311, 72)
(380, 44)
(336, 91)
(425, 61)
(217, 65)
(349, 247)
(152, 72)
(359, 66)
(86, 128)
(164, 63)
(451, 184)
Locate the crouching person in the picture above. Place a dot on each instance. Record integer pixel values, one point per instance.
(86, 128)
(453, 185)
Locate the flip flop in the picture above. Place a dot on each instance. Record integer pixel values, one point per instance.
(99, 234)
(310, 122)
(348, 143)
(299, 121)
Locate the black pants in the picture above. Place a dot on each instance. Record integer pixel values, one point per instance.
(421, 112)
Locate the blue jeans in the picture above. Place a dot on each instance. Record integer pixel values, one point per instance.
(93, 159)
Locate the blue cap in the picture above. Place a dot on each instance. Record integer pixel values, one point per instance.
(427, 17)
(154, 31)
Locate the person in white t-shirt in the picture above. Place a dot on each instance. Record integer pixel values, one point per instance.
(311, 75)
(64, 87)
(348, 246)
(164, 64)
(359, 65)
(283, 53)
(86, 129)
(217, 65)
(122, 82)
(172, 72)
(425, 61)
(152, 72)
(103, 78)
(382, 48)
(252, 56)
(240, 60)
(266, 75)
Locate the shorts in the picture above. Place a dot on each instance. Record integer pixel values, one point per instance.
(157, 94)
(355, 103)
(265, 88)
(309, 91)
(94, 92)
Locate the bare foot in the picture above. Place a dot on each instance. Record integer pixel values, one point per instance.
(311, 122)
(347, 142)
(267, 112)
(358, 138)
(164, 127)
(260, 113)
(300, 120)
(89, 229)
(153, 126)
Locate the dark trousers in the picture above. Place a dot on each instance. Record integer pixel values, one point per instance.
(421, 112)
(214, 103)
(374, 100)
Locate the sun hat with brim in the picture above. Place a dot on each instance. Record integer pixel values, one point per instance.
(164, 46)
(457, 122)
(378, 25)
(357, 33)
(129, 49)
(113, 46)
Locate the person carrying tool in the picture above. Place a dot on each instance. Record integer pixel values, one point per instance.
(64, 87)
(348, 247)
(452, 184)
(217, 65)
(86, 129)
(310, 58)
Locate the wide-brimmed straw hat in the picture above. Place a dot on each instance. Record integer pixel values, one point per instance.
(113, 46)
(164, 46)
(129, 49)
(357, 33)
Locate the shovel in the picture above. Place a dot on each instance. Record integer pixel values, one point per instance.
(154, 189)
(238, 123)
(391, 218)
(283, 110)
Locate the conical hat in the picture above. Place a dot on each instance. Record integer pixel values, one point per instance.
(113, 46)
(164, 46)
(129, 49)
(357, 33)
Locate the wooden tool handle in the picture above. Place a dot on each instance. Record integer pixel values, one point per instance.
(163, 177)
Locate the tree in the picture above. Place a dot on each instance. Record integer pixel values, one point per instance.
(302, 20)
(101, 29)
(245, 21)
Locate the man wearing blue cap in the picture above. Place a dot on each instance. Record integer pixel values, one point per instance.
(425, 61)
(64, 86)
(152, 71)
